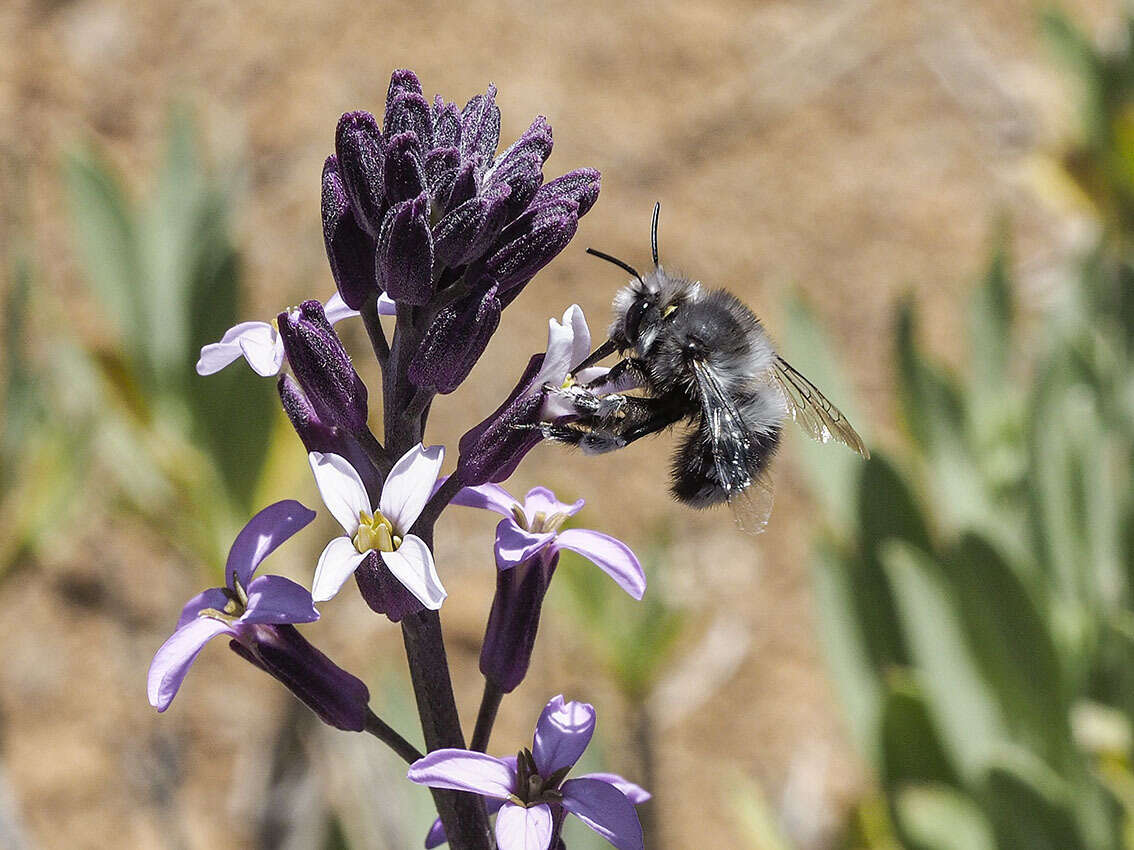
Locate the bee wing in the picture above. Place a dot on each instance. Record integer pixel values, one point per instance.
(752, 506)
(812, 411)
(749, 499)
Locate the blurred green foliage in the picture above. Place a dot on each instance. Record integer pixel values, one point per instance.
(125, 419)
(975, 586)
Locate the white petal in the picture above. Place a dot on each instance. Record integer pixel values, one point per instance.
(520, 828)
(336, 309)
(337, 563)
(342, 490)
(560, 349)
(413, 566)
(263, 349)
(409, 486)
(580, 333)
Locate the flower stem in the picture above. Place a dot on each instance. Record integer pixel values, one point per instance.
(374, 330)
(385, 733)
(486, 717)
(464, 816)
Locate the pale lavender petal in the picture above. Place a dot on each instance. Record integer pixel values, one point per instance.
(580, 334)
(216, 356)
(261, 535)
(612, 556)
(409, 485)
(336, 309)
(275, 599)
(214, 598)
(464, 770)
(490, 497)
(636, 794)
(514, 545)
(337, 563)
(263, 349)
(412, 565)
(628, 381)
(387, 306)
(604, 809)
(436, 836)
(172, 661)
(542, 499)
(520, 828)
(562, 733)
(342, 490)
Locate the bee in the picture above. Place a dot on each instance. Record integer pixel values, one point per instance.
(702, 357)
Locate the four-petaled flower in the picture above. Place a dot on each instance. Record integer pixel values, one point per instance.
(257, 614)
(533, 528)
(530, 793)
(385, 531)
(260, 342)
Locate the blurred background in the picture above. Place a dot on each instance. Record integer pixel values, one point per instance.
(931, 204)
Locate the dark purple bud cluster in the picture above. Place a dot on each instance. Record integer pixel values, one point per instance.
(424, 210)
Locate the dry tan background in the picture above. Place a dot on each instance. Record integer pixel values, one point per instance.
(855, 149)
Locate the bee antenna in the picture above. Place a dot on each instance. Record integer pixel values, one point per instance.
(622, 265)
(654, 231)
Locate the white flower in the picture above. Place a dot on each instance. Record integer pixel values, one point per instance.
(385, 531)
(568, 344)
(260, 342)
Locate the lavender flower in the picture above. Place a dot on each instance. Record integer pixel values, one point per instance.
(529, 793)
(492, 450)
(382, 534)
(256, 614)
(528, 542)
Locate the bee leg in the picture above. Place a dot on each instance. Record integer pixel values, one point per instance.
(592, 441)
(629, 369)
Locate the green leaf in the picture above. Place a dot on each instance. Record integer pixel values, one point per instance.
(990, 328)
(1030, 808)
(936, 817)
(930, 399)
(911, 751)
(964, 709)
(1011, 643)
(832, 472)
(107, 242)
(842, 629)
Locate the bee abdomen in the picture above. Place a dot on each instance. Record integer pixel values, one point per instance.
(696, 480)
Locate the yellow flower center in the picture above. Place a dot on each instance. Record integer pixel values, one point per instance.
(375, 532)
(568, 382)
(541, 523)
(234, 608)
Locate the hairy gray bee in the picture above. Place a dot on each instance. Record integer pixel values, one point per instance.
(699, 356)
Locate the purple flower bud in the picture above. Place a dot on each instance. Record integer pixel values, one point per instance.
(402, 80)
(383, 592)
(446, 124)
(480, 127)
(492, 450)
(358, 146)
(531, 242)
(581, 186)
(323, 368)
(523, 174)
(338, 698)
(404, 264)
(318, 436)
(455, 340)
(466, 183)
(350, 249)
(514, 619)
(408, 112)
(440, 169)
(466, 232)
(403, 175)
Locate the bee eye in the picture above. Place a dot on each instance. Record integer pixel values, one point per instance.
(634, 317)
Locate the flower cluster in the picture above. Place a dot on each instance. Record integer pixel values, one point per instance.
(424, 221)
